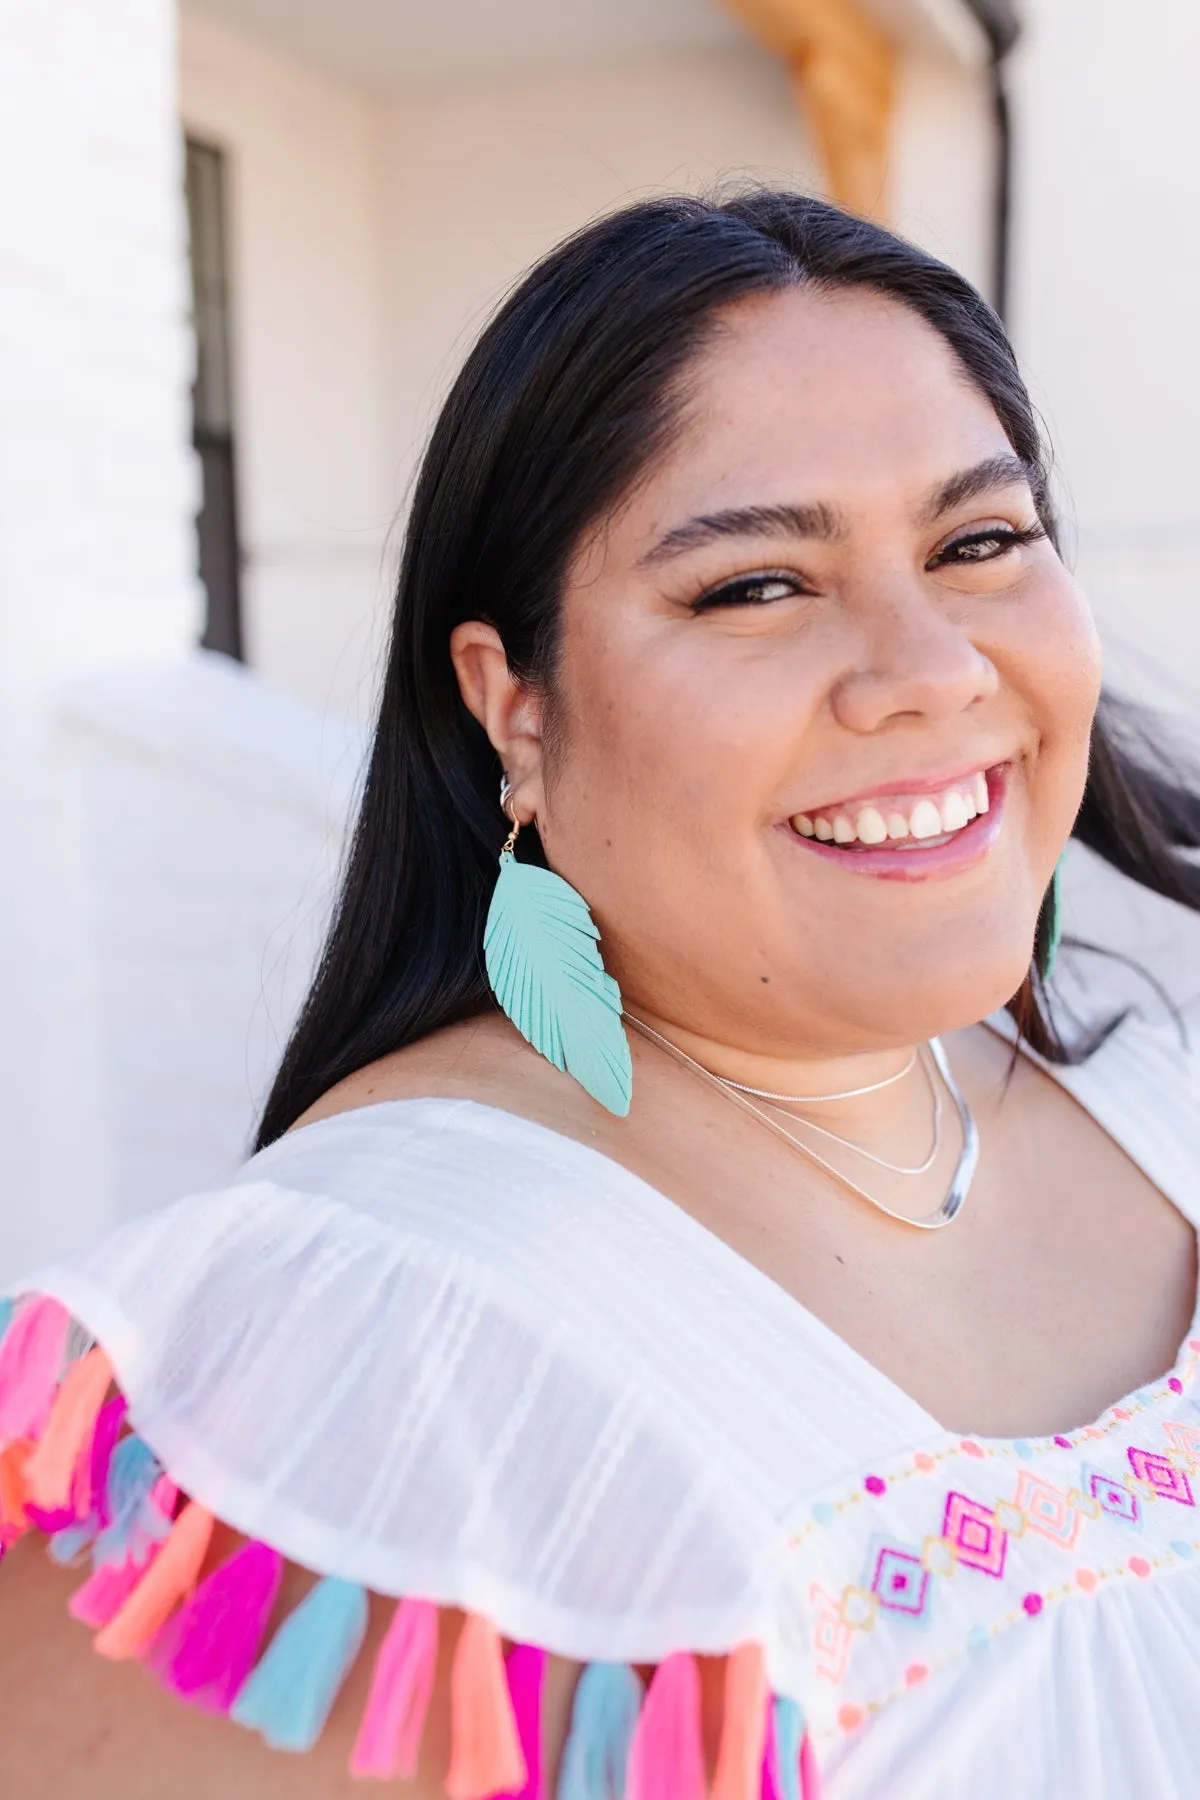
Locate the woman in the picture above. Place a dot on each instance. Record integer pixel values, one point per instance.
(746, 1324)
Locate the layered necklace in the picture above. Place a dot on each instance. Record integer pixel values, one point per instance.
(934, 1066)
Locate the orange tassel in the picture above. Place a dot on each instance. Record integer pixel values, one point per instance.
(485, 1755)
(51, 1474)
(169, 1579)
(743, 1728)
(14, 1460)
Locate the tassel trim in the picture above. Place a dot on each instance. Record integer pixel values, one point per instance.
(70, 1466)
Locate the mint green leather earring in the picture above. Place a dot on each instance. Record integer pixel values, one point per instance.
(544, 967)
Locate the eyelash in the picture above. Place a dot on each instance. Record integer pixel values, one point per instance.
(737, 593)
(1008, 537)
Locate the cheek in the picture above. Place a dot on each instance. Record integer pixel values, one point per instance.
(695, 728)
(1053, 663)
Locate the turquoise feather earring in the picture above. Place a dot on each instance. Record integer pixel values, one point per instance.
(1050, 924)
(543, 965)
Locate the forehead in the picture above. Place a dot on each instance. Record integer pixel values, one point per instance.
(841, 396)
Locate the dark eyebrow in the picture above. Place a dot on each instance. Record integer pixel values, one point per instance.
(815, 521)
(1005, 470)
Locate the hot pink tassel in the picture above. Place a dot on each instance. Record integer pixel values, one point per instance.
(206, 1650)
(810, 1774)
(31, 1359)
(389, 1738)
(666, 1758)
(104, 1594)
(526, 1671)
(104, 1442)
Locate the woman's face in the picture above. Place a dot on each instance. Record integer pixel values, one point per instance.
(823, 635)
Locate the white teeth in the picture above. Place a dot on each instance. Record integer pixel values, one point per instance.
(926, 820)
(871, 828)
(954, 813)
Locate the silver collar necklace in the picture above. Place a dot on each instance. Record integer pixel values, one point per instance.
(964, 1170)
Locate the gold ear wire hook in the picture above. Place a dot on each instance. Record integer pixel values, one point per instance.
(505, 808)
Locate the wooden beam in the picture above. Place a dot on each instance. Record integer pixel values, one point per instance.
(843, 69)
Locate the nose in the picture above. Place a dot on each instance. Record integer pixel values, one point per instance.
(914, 662)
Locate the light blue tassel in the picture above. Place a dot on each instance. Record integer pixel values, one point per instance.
(545, 971)
(289, 1695)
(789, 1735)
(608, 1699)
(136, 1525)
(7, 1310)
(66, 1547)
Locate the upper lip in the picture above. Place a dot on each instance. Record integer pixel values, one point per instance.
(905, 784)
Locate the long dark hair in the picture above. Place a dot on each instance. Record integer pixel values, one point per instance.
(566, 397)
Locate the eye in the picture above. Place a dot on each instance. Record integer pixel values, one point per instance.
(749, 590)
(984, 545)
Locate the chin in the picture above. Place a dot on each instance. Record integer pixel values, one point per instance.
(935, 997)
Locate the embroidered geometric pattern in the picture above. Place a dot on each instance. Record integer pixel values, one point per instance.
(965, 1538)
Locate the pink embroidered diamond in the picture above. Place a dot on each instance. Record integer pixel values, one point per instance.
(1161, 1475)
(1115, 1498)
(900, 1582)
(1186, 1440)
(832, 1638)
(973, 1531)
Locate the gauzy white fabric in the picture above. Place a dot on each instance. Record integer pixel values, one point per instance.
(442, 1351)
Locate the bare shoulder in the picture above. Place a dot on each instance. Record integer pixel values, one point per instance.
(483, 1059)
(72, 1724)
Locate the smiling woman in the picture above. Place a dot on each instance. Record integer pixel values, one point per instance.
(654, 1349)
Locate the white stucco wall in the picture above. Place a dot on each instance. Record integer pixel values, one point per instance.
(1107, 267)
(306, 230)
(97, 489)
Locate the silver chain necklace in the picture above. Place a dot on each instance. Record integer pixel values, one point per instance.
(964, 1169)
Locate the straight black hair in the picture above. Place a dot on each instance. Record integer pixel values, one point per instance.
(570, 392)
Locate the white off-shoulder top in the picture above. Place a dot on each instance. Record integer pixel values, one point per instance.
(432, 1350)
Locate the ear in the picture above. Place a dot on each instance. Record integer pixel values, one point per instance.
(510, 713)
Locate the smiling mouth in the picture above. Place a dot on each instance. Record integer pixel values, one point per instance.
(903, 821)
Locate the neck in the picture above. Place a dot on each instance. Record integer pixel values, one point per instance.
(816, 1074)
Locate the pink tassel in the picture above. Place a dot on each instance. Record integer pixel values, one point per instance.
(31, 1358)
(666, 1758)
(104, 1594)
(526, 1671)
(810, 1774)
(205, 1652)
(739, 1760)
(389, 1738)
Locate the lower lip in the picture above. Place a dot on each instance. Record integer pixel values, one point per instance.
(938, 862)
